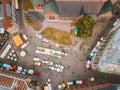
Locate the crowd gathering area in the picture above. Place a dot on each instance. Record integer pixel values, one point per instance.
(21, 41)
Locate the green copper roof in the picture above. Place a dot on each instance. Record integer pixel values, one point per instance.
(38, 1)
(51, 6)
(106, 7)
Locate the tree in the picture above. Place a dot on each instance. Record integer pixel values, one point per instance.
(85, 26)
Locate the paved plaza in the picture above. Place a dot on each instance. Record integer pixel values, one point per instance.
(74, 63)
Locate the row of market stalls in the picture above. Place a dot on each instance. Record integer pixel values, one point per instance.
(96, 52)
(51, 42)
(50, 64)
(19, 69)
(51, 52)
(64, 85)
(92, 55)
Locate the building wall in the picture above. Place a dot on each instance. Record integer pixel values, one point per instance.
(38, 7)
(66, 19)
(69, 19)
(105, 17)
(51, 16)
(93, 86)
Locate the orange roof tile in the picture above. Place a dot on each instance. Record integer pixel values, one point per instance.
(7, 22)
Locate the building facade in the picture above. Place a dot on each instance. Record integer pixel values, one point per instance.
(70, 10)
(106, 57)
(94, 86)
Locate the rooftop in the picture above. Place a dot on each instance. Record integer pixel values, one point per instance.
(5, 12)
(73, 8)
(18, 40)
(109, 61)
(10, 83)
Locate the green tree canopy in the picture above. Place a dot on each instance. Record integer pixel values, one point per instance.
(85, 25)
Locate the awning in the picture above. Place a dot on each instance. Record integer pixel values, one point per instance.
(17, 40)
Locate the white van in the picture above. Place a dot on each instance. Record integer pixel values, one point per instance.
(25, 37)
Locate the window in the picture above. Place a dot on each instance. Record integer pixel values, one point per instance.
(41, 5)
(52, 17)
(38, 5)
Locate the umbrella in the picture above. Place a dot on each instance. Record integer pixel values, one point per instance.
(14, 67)
(63, 85)
(37, 74)
(90, 69)
(1, 64)
(90, 56)
(55, 55)
(83, 81)
(74, 82)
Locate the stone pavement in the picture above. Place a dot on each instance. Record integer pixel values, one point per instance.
(74, 63)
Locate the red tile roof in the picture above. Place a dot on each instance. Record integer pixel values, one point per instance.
(6, 81)
(7, 22)
(20, 85)
(17, 84)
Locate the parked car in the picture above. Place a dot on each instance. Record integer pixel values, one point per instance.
(24, 37)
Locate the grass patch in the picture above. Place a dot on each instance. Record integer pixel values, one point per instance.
(57, 35)
(27, 5)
